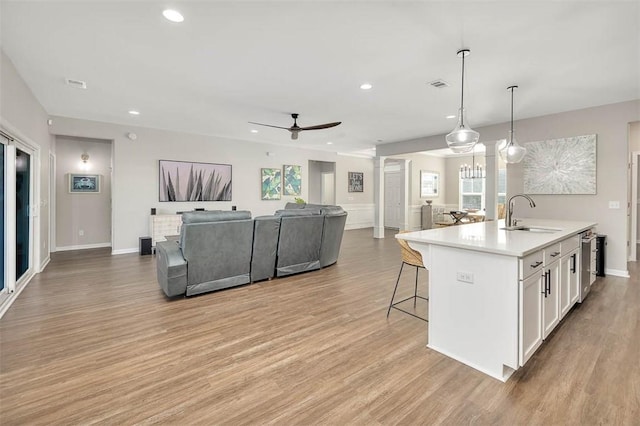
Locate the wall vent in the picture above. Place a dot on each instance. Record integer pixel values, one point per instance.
(79, 84)
(439, 84)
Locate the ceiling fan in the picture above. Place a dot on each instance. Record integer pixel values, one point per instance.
(295, 129)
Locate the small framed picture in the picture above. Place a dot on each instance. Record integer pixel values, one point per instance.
(429, 184)
(356, 182)
(84, 184)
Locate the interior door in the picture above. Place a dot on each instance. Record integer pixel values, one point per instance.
(392, 200)
(3, 224)
(327, 189)
(23, 212)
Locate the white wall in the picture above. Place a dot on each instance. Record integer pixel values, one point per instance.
(135, 173)
(610, 123)
(86, 213)
(22, 115)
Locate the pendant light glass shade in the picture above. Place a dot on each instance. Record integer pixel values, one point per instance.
(462, 138)
(512, 152)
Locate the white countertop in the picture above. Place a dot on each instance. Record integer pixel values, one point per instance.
(488, 237)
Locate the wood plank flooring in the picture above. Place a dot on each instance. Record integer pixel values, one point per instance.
(93, 340)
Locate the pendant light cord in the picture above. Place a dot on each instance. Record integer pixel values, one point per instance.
(462, 93)
(512, 112)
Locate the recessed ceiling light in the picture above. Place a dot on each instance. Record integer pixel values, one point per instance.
(173, 15)
(451, 116)
(134, 112)
(254, 131)
(366, 86)
(329, 143)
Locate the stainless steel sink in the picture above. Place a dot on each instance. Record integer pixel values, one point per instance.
(538, 229)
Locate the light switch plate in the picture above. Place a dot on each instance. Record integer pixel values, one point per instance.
(465, 277)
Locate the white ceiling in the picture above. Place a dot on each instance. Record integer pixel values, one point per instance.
(233, 62)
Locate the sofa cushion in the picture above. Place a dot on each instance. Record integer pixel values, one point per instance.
(294, 206)
(214, 216)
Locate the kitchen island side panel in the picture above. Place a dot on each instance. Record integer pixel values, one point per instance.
(474, 322)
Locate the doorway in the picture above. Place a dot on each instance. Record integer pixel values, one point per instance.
(322, 182)
(392, 198)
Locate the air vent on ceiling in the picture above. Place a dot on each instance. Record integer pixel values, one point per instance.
(79, 84)
(439, 84)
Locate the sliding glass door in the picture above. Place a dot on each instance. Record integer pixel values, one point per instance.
(23, 216)
(3, 222)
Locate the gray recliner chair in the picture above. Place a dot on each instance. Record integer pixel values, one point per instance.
(335, 218)
(300, 241)
(214, 252)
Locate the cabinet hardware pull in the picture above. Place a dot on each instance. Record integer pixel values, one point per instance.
(555, 253)
(573, 263)
(535, 265)
(549, 280)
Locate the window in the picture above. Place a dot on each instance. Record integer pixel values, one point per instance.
(472, 193)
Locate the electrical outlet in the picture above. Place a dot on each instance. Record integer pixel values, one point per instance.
(465, 277)
(614, 204)
(81, 232)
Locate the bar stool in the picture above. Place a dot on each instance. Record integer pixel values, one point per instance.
(413, 258)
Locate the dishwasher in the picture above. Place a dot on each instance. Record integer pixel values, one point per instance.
(587, 264)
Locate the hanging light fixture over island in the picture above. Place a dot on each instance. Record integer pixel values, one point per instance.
(462, 138)
(512, 152)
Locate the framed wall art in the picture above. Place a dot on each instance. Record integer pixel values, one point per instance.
(188, 181)
(429, 184)
(84, 184)
(292, 180)
(561, 166)
(356, 182)
(271, 184)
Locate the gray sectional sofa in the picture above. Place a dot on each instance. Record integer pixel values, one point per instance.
(221, 249)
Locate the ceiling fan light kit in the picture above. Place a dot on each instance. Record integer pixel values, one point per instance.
(512, 152)
(295, 129)
(462, 138)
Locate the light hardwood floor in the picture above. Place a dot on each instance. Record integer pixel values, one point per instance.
(93, 340)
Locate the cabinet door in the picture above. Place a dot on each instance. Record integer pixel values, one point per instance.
(566, 266)
(574, 277)
(530, 316)
(551, 299)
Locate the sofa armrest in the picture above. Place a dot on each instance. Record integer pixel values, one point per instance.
(171, 268)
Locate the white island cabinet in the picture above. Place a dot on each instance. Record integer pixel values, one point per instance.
(495, 295)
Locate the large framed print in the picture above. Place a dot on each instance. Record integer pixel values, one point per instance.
(190, 181)
(84, 184)
(292, 177)
(271, 180)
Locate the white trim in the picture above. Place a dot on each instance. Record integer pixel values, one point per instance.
(618, 273)
(11, 297)
(359, 215)
(52, 201)
(44, 263)
(83, 247)
(124, 251)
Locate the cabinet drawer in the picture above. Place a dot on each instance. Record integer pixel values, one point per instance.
(569, 245)
(552, 253)
(531, 263)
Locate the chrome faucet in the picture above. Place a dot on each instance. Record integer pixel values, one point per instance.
(510, 203)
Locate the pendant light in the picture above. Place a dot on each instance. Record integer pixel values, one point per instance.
(473, 171)
(462, 138)
(512, 152)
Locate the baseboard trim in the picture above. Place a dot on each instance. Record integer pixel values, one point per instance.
(618, 273)
(45, 263)
(124, 251)
(83, 247)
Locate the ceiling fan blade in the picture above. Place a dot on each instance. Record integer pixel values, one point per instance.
(294, 134)
(321, 126)
(268, 125)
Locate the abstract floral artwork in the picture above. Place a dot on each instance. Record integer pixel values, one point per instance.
(271, 184)
(292, 180)
(186, 181)
(561, 166)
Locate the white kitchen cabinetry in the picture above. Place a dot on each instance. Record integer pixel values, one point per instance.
(569, 281)
(530, 317)
(550, 295)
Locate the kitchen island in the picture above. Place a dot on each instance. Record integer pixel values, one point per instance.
(496, 294)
